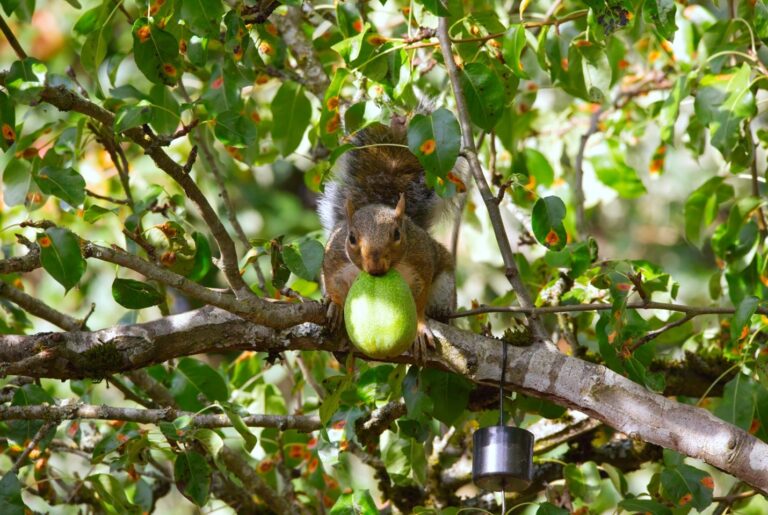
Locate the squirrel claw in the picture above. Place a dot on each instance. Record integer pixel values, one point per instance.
(424, 338)
(334, 317)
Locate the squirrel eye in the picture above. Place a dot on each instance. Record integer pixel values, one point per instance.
(396, 235)
(352, 239)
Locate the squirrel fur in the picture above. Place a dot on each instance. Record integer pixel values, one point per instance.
(377, 211)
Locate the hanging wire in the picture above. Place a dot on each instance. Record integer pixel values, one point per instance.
(501, 381)
(501, 411)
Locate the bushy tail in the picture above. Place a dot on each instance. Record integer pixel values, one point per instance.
(376, 173)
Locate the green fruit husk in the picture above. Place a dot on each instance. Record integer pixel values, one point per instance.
(380, 314)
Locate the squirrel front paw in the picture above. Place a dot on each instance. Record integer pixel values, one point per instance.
(424, 338)
(334, 317)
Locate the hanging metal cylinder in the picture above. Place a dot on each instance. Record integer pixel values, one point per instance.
(502, 458)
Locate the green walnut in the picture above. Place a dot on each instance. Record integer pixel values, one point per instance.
(380, 314)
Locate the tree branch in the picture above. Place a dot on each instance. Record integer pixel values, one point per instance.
(31, 446)
(80, 411)
(578, 178)
(9, 35)
(255, 309)
(573, 308)
(536, 371)
(290, 27)
(252, 482)
(39, 308)
(66, 100)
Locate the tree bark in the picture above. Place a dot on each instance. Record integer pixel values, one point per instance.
(587, 387)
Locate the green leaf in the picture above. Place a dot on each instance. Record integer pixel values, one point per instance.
(291, 113)
(436, 7)
(738, 406)
(547, 221)
(8, 134)
(249, 439)
(330, 117)
(131, 116)
(744, 312)
(702, 205)
(662, 14)
(192, 476)
(435, 140)
(64, 183)
(596, 71)
(724, 102)
(671, 109)
(9, 6)
(546, 508)
(332, 401)
(95, 49)
(17, 179)
(448, 392)
(202, 16)
(359, 502)
(21, 431)
(156, 53)
(513, 45)
(417, 403)
(645, 506)
(684, 485)
(90, 20)
(538, 166)
(612, 171)
(304, 259)
(235, 130)
(11, 502)
(204, 378)
(133, 294)
(60, 256)
(165, 110)
(95, 212)
(484, 93)
(583, 480)
(203, 257)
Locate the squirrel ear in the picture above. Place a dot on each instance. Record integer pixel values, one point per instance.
(400, 208)
(350, 209)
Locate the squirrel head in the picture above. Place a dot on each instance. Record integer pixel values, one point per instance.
(376, 236)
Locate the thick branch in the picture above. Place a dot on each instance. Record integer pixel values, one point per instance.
(586, 387)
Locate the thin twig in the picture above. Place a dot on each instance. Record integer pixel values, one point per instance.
(6, 30)
(309, 378)
(574, 308)
(128, 393)
(457, 226)
(78, 410)
(103, 197)
(578, 178)
(470, 152)
(31, 446)
(650, 335)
